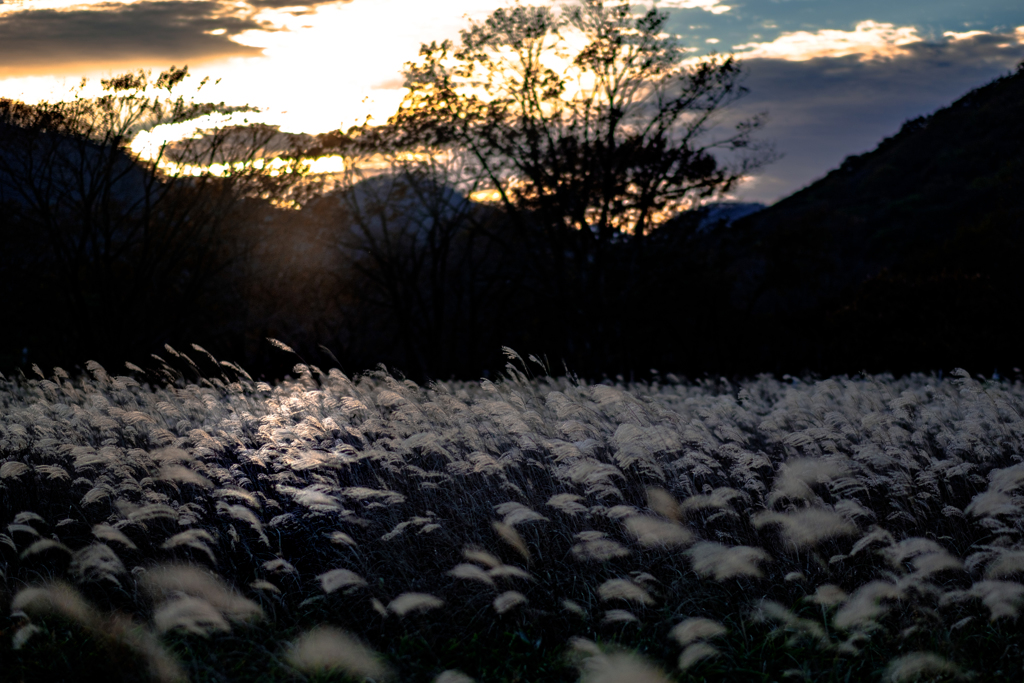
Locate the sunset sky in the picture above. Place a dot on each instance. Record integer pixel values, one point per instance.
(835, 76)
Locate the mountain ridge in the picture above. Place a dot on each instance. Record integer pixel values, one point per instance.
(933, 214)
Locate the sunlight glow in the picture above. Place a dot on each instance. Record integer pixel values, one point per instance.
(869, 40)
(320, 70)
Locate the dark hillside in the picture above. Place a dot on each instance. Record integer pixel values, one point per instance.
(904, 257)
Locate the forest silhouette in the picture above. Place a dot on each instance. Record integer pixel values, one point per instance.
(504, 205)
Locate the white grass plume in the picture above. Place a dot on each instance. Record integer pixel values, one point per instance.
(508, 571)
(796, 477)
(597, 547)
(194, 539)
(341, 538)
(97, 562)
(45, 546)
(828, 595)
(618, 616)
(470, 572)
(1003, 598)
(696, 628)
(105, 532)
(865, 605)
(574, 607)
(567, 503)
(623, 589)
(597, 666)
(508, 600)
(721, 562)
(55, 598)
(991, 504)
(1008, 563)
(508, 534)
(694, 653)
(173, 581)
(720, 498)
(654, 532)
(663, 503)
(808, 527)
(243, 514)
(183, 475)
(191, 614)
(13, 469)
(60, 599)
(481, 557)
(154, 512)
(326, 649)
(171, 456)
(918, 666)
(240, 495)
(409, 603)
(338, 579)
(517, 513)
(924, 555)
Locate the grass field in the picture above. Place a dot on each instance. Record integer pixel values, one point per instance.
(189, 522)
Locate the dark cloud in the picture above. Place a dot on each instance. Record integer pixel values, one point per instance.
(823, 110)
(52, 41)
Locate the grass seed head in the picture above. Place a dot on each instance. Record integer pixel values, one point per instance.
(695, 629)
(326, 649)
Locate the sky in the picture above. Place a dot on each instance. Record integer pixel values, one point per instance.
(834, 76)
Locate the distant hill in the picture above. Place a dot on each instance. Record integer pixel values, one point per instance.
(906, 257)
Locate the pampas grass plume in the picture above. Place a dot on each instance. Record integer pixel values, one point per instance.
(1003, 598)
(865, 605)
(340, 578)
(408, 603)
(508, 534)
(105, 532)
(654, 532)
(663, 503)
(619, 668)
(508, 600)
(696, 628)
(806, 528)
(694, 653)
(471, 572)
(191, 614)
(326, 649)
(174, 581)
(721, 562)
(55, 598)
(918, 666)
(622, 589)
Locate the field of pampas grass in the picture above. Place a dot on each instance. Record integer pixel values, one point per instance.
(190, 523)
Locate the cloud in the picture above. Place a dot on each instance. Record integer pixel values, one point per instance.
(823, 109)
(868, 40)
(713, 6)
(49, 41)
(281, 4)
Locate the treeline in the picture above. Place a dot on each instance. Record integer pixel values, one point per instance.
(221, 239)
(108, 258)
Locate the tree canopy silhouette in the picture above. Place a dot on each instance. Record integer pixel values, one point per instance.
(109, 251)
(590, 126)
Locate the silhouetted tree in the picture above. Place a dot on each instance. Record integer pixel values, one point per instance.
(111, 252)
(418, 264)
(590, 127)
